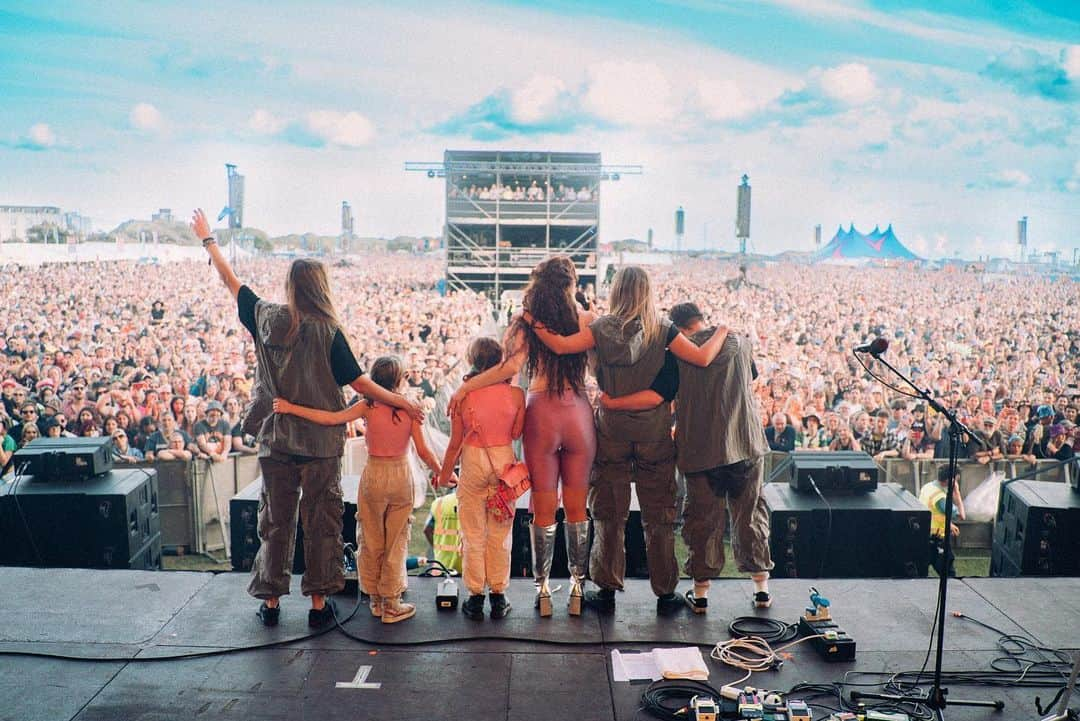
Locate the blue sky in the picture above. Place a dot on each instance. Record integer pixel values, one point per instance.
(949, 119)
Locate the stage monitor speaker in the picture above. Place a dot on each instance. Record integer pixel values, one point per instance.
(101, 522)
(834, 472)
(882, 534)
(64, 459)
(1036, 531)
(244, 524)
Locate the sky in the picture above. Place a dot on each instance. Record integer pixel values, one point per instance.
(948, 119)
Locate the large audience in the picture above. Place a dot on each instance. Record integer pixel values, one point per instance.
(515, 191)
(153, 357)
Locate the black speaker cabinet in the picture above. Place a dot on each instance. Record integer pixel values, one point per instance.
(102, 522)
(244, 524)
(834, 472)
(1036, 531)
(880, 534)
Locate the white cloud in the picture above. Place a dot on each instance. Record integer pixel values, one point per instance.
(42, 136)
(263, 122)
(849, 83)
(629, 93)
(350, 130)
(723, 99)
(146, 117)
(1010, 178)
(537, 100)
(1070, 61)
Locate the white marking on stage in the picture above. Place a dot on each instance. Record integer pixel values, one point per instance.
(360, 680)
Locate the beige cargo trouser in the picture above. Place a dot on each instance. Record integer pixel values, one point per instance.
(710, 495)
(385, 514)
(485, 542)
(320, 508)
(651, 467)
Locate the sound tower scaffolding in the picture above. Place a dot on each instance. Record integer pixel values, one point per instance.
(493, 243)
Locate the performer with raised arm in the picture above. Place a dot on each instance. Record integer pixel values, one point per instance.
(634, 446)
(303, 356)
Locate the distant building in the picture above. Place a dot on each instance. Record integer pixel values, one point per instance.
(16, 220)
(164, 215)
(78, 224)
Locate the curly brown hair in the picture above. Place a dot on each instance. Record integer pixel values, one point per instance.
(549, 297)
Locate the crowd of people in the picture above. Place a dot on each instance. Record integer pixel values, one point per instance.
(146, 355)
(1002, 350)
(534, 192)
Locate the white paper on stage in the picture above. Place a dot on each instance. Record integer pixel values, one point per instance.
(634, 666)
(680, 662)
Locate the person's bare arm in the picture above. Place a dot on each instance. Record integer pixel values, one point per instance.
(504, 371)
(367, 387)
(201, 227)
(686, 350)
(453, 450)
(640, 401)
(422, 449)
(579, 342)
(317, 415)
(519, 419)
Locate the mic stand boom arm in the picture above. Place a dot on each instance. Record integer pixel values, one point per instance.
(937, 695)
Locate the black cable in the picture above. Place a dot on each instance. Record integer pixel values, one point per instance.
(828, 525)
(884, 382)
(670, 700)
(770, 630)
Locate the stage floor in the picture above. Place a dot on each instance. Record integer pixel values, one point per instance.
(522, 667)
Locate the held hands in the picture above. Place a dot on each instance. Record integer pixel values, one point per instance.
(445, 479)
(200, 226)
(282, 406)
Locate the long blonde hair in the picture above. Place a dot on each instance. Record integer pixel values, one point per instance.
(307, 288)
(631, 298)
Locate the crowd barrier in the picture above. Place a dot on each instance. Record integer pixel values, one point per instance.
(913, 475)
(194, 501)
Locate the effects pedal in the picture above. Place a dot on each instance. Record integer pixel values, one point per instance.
(750, 706)
(831, 642)
(704, 708)
(798, 711)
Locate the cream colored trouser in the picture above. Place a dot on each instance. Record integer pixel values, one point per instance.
(485, 542)
(385, 509)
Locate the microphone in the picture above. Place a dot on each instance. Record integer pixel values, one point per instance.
(875, 347)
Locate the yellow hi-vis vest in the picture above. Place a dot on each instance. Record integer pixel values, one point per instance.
(930, 495)
(446, 538)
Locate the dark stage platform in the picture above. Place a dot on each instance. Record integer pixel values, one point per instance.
(524, 667)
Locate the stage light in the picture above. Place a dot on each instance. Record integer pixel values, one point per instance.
(614, 176)
(431, 173)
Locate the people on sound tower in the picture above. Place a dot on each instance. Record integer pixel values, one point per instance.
(932, 496)
(385, 498)
(309, 363)
(720, 449)
(483, 428)
(559, 435)
(631, 344)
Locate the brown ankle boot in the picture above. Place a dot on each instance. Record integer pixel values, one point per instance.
(394, 610)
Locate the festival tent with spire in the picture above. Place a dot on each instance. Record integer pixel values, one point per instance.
(850, 244)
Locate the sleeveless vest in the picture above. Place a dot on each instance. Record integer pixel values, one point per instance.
(299, 372)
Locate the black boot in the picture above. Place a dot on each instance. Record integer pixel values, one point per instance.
(668, 604)
(602, 600)
(473, 608)
(269, 616)
(500, 606)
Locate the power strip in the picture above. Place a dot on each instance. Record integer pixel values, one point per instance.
(833, 643)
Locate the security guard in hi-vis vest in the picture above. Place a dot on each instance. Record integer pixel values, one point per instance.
(932, 496)
(443, 532)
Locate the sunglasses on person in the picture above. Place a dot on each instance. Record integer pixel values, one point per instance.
(119, 436)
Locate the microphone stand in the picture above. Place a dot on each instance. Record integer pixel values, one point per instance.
(937, 696)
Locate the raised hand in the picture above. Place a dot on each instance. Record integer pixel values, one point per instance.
(200, 226)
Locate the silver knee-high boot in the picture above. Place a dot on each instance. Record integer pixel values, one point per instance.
(577, 558)
(543, 551)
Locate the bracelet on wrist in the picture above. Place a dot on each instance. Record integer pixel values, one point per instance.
(207, 241)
